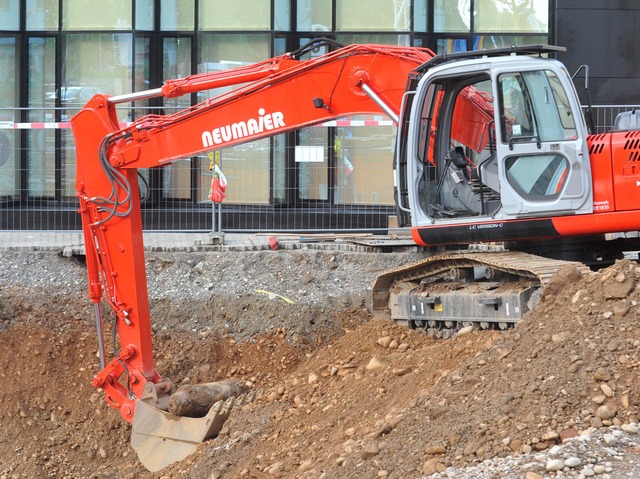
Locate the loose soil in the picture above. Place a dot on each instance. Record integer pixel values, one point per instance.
(342, 395)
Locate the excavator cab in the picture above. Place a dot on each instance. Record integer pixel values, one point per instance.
(517, 123)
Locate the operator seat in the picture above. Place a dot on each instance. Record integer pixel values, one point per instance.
(453, 193)
(460, 161)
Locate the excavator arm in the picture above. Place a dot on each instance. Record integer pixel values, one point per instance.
(271, 97)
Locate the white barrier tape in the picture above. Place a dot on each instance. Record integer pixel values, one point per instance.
(63, 125)
(10, 125)
(350, 123)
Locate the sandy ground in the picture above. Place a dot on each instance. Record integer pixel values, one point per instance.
(343, 395)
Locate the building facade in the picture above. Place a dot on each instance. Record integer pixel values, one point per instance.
(56, 54)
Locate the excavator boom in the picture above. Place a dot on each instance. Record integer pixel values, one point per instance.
(271, 97)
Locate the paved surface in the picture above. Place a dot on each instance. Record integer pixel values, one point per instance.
(69, 243)
(174, 241)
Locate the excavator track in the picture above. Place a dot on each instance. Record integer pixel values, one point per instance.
(481, 290)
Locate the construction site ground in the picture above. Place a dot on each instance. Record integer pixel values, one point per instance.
(343, 395)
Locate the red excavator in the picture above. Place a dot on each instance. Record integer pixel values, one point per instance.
(492, 149)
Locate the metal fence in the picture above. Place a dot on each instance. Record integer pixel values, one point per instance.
(340, 180)
(605, 115)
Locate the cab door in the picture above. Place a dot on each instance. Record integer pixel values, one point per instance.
(543, 158)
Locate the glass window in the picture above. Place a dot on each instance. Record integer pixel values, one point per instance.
(374, 15)
(487, 42)
(282, 16)
(279, 46)
(176, 178)
(420, 14)
(41, 149)
(516, 116)
(314, 16)
(42, 63)
(534, 106)
(502, 16)
(315, 52)
(9, 163)
(176, 63)
(141, 80)
(313, 164)
(42, 14)
(144, 14)
(451, 45)
(246, 167)
(8, 74)
(452, 16)
(102, 63)
(224, 51)
(9, 139)
(378, 38)
(177, 15)
(363, 173)
(280, 173)
(10, 15)
(226, 15)
(537, 177)
(83, 15)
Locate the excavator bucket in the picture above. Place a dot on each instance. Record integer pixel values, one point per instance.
(161, 438)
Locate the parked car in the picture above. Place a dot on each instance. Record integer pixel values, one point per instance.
(74, 95)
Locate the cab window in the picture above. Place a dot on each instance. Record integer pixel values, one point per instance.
(534, 107)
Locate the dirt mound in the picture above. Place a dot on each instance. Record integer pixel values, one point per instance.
(344, 397)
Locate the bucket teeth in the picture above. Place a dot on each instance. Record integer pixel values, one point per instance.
(161, 438)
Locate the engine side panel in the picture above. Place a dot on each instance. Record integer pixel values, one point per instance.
(625, 147)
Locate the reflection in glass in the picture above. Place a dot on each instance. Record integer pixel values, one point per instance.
(363, 171)
(176, 178)
(282, 16)
(42, 14)
(420, 13)
(487, 42)
(280, 173)
(144, 14)
(10, 15)
(314, 16)
(451, 45)
(452, 16)
(378, 38)
(83, 15)
(41, 149)
(504, 16)
(537, 177)
(312, 162)
(534, 106)
(102, 63)
(141, 80)
(176, 63)
(177, 15)
(226, 15)
(9, 139)
(246, 166)
(376, 15)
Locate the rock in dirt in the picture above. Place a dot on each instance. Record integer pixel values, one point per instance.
(195, 400)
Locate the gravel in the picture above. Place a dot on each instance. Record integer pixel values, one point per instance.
(565, 379)
(605, 453)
